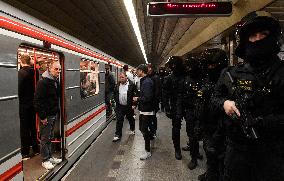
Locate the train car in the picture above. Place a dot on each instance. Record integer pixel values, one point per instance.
(82, 108)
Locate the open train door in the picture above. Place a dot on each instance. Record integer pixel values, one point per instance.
(41, 58)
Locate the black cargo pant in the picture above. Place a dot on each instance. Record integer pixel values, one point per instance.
(121, 112)
(46, 134)
(190, 130)
(28, 129)
(176, 126)
(254, 162)
(144, 127)
(214, 147)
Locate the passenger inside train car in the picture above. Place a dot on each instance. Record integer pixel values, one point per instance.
(26, 89)
(109, 88)
(47, 106)
(33, 63)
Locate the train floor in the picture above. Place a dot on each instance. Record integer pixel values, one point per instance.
(32, 167)
(120, 161)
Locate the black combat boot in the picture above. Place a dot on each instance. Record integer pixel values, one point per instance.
(192, 164)
(199, 156)
(186, 148)
(178, 154)
(202, 177)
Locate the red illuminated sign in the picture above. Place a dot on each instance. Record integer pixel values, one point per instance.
(193, 9)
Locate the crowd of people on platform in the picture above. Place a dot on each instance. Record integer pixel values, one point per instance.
(236, 111)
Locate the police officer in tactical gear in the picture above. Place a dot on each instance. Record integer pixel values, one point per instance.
(214, 60)
(171, 84)
(255, 145)
(162, 74)
(188, 98)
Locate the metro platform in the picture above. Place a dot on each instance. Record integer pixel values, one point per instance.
(105, 160)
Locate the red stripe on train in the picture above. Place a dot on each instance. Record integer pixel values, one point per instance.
(34, 33)
(12, 172)
(84, 121)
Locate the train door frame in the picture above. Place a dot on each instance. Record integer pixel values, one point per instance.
(63, 124)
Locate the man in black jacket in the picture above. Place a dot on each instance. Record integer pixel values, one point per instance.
(27, 113)
(109, 87)
(162, 74)
(146, 107)
(124, 92)
(252, 96)
(172, 84)
(188, 100)
(214, 61)
(157, 93)
(46, 102)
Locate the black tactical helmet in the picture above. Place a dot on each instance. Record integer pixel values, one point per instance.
(193, 61)
(193, 65)
(175, 62)
(253, 23)
(215, 58)
(161, 70)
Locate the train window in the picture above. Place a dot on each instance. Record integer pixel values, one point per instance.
(89, 78)
(40, 58)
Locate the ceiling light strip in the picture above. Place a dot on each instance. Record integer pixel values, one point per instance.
(131, 13)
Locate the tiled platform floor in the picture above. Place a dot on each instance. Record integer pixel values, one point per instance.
(120, 161)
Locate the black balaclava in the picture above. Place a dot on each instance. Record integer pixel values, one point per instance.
(177, 67)
(214, 74)
(259, 53)
(216, 60)
(196, 71)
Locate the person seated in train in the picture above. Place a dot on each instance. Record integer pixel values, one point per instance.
(46, 103)
(146, 107)
(109, 87)
(26, 89)
(124, 92)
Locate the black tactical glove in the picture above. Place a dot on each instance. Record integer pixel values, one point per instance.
(179, 117)
(198, 132)
(268, 121)
(278, 82)
(255, 122)
(169, 115)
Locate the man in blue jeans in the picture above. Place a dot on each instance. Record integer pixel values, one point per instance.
(46, 102)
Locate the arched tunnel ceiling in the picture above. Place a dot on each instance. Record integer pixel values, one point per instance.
(105, 25)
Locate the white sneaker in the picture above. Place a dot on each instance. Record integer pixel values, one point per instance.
(25, 157)
(47, 165)
(132, 132)
(115, 138)
(55, 160)
(146, 155)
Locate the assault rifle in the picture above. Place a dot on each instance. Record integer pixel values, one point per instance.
(246, 118)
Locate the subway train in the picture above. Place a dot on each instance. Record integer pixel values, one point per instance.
(82, 104)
